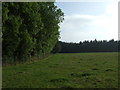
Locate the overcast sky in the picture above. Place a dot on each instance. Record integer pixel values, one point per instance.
(89, 21)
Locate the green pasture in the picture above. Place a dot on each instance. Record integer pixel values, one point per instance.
(70, 70)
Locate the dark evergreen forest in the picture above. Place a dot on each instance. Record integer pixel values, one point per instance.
(87, 46)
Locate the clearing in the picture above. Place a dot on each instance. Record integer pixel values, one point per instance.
(70, 70)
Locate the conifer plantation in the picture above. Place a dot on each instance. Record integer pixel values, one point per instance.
(29, 29)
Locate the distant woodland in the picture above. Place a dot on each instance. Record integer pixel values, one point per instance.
(87, 46)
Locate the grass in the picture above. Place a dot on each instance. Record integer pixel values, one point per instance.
(74, 70)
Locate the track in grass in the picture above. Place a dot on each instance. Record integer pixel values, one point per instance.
(74, 70)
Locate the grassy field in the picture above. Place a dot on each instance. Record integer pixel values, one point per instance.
(74, 70)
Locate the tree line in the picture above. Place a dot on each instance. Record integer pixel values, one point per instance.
(29, 29)
(87, 46)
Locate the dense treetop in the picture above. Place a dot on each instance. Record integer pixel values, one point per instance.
(29, 29)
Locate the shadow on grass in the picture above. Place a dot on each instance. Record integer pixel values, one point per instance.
(108, 70)
(58, 80)
(80, 75)
(95, 69)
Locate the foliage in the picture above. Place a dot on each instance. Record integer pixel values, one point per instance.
(29, 29)
(57, 48)
(90, 46)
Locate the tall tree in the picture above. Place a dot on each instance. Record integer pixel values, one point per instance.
(29, 29)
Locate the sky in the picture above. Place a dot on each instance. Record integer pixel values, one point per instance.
(89, 21)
